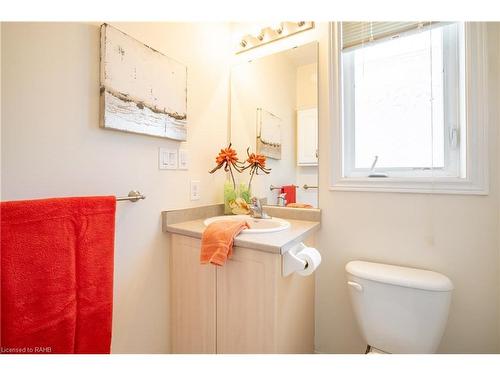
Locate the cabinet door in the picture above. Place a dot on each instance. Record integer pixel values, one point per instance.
(307, 137)
(192, 296)
(246, 290)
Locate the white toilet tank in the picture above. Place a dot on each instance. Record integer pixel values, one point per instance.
(399, 309)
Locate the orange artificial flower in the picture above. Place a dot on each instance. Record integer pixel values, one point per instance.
(227, 158)
(227, 155)
(258, 159)
(255, 162)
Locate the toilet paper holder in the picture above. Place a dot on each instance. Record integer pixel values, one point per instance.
(291, 263)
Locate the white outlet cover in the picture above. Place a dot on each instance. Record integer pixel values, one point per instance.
(195, 190)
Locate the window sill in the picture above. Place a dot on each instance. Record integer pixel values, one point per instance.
(410, 185)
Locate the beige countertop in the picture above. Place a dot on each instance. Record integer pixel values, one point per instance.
(275, 242)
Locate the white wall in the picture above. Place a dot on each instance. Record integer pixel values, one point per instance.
(52, 146)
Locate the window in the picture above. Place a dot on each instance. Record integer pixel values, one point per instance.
(403, 108)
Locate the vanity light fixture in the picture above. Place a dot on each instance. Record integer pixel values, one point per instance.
(271, 34)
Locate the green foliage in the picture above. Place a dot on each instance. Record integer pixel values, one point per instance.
(245, 193)
(229, 192)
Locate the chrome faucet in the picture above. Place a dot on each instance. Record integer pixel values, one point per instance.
(282, 200)
(256, 209)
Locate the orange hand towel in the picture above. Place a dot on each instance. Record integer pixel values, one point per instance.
(217, 241)
(299, 205)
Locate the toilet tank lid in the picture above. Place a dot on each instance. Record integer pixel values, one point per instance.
(401, 276)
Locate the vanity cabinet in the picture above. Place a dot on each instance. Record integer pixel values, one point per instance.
(246, 306)
(307, 137)
(192, 298)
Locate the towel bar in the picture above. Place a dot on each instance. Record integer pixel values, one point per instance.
(272, 187)
(306, 186)
(133, 196)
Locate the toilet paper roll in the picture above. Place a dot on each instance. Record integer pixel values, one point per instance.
(312, 258)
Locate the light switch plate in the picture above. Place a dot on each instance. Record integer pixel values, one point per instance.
(195, 190)
(167, 158)
(183, 159)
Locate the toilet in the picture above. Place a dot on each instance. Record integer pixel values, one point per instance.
(399, 309)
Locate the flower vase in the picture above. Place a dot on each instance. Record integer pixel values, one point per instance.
(236, 200)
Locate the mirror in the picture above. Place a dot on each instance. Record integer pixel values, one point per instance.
(274, 111)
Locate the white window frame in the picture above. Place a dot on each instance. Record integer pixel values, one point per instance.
(451, 153)
(474, 154)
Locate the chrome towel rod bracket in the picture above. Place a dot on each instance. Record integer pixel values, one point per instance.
(133, 196)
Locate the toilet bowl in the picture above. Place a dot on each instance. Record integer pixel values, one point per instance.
(399, 309)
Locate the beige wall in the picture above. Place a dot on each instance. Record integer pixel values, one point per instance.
(52, 146)
(453, 234)
(494, 93)
(307, 97)
(307, 86)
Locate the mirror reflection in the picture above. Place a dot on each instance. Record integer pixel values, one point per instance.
(274, 111)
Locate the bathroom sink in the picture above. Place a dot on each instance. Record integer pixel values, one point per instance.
(256, 225)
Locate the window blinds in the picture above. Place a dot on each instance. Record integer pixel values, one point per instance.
(357, 34)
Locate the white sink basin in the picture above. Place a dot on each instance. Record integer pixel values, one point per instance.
(256, 225)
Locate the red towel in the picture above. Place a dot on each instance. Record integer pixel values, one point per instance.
(57, 275)
(290, 193)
